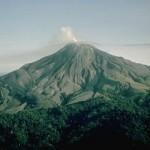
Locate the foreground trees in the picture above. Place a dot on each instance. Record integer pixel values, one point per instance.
(116, 123)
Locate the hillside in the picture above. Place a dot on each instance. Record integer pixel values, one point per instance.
(77, 72)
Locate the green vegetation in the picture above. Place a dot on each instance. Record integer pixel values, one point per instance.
(119, 124)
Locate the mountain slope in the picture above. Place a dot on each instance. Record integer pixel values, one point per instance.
(77, 72)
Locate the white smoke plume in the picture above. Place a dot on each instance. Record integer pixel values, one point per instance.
(67, 34)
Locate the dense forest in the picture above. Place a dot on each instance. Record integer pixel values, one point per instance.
(94, 124)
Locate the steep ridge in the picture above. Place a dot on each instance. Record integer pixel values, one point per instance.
(75, 73)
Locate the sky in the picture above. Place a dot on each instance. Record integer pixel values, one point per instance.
(29, 29)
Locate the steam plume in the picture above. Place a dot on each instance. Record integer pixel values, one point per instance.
(67, 34)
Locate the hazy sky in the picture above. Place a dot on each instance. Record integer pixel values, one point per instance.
(121, 27)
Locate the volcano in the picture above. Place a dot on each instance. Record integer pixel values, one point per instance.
(77, 72)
